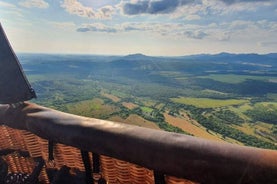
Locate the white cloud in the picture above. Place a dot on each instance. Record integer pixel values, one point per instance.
(221, 35)
(137, 26)
(191, 10)
(267, 44)
(106, 12)
(167, 29)
(193, 17)
(8, 10)
(240, 24)
(97, 27)
(6, 5)
(76, 8)
(153, 7)
(34, 4)
(216, 7)
(237, 31)
(63, 25)
(196, 34)
(246, 31)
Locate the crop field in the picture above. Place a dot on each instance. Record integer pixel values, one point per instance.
(207, 102)
(112, 97)
(116, 119)
(129, 105)
(189, 127)
(139, 121)
(146, 102)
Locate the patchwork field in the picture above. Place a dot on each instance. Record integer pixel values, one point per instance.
(225, 97)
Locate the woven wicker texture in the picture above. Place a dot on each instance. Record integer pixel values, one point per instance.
(113, 170)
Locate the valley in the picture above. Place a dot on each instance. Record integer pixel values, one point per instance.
(223, 97)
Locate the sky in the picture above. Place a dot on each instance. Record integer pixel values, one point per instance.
(151, 27)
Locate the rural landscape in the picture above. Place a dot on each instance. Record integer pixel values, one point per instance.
(221, 97)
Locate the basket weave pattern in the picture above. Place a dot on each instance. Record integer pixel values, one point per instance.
(113, 170)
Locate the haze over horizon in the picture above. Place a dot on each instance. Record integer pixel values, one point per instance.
(151, 27)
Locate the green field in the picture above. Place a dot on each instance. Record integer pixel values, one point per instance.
(146, 109)
(207, 102)
(91, 108)
(270, 104)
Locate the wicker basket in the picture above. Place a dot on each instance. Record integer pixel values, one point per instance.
(114, 171)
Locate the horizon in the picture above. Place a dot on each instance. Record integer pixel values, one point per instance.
(152, 27)
(114, 55)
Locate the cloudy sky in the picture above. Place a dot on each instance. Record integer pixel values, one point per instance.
(151, 27)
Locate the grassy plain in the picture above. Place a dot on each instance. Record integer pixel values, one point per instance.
(146, 109)
(91, 108)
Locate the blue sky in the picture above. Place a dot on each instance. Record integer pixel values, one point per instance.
(151, 27)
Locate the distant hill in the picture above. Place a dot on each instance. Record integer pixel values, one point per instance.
(139, 65)
(136, 57)
(199, 63)
(228, 57)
